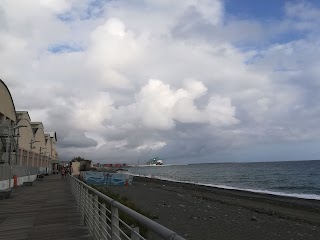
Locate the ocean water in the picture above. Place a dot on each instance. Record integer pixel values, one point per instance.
(296, 179)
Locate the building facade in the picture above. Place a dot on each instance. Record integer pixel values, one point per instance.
(22, 142)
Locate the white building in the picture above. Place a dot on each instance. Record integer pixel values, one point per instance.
(23, 143)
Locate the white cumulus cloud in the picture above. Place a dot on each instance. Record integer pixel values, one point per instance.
(163, 77)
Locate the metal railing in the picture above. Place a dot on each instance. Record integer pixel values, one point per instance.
(104, 222)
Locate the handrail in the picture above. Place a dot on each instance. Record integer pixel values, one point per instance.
(155, 227)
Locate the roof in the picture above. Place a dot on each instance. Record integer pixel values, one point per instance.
(52, 135)
(14, 107)
(21, 113)
(37, 124)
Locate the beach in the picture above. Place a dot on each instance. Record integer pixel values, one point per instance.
(201, 212)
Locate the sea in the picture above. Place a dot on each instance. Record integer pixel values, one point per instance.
(300, 179)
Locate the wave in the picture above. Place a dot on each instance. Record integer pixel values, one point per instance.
(275, 193)
(163, 165)
(293, 195)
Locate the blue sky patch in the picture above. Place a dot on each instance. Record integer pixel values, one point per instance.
(66, 17)
(64, 48)
(257, 10)
(94, 9)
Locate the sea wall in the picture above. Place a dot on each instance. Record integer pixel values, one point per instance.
(106, 178)
(23, 174)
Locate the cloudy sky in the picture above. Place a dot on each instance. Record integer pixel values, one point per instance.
(185, 80)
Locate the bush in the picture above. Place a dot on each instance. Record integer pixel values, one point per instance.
(130, 204)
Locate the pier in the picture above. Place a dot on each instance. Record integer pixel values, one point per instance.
(69, 209)
(46, 210)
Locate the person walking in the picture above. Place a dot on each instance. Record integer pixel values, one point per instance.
(62, 173)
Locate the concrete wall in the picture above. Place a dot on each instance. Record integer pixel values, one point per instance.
(4, 184)
(106, 178)
(75, 168)
(22, 173)
(19, 171)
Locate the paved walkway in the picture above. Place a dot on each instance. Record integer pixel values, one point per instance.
(43, 211)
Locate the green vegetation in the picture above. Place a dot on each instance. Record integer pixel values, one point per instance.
(130, 204)
(77, 159)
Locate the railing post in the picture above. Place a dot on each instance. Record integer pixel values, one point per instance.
(73, 188)
(82, 206)
(86, 204)
(115, 233)
(76, 193)
(96, 216)
(91, 216)
(135, 233)
(103, 222)
(70, 185)
(85, 210)
(79, 194)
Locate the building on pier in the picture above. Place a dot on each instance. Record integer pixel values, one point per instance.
(24, 145)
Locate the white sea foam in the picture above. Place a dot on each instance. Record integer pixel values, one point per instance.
(293, 195)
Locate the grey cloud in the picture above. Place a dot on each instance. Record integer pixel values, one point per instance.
(77, 141)
(191, 25)
(90, 97)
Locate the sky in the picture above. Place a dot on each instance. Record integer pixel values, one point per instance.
(188, 81)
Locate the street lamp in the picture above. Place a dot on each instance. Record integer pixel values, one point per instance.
(10, 135)
(31, 144)
(17, 128)
(41, 148)
(42, 153)
(17, 136)
(31, 147)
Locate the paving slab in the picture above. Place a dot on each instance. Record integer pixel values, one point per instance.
(45, 210)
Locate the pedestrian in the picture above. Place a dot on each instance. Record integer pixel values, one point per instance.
(62, 173)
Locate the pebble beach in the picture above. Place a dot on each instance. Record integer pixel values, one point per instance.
(200, 212)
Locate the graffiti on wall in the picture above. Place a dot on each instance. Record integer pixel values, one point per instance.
(105, 178)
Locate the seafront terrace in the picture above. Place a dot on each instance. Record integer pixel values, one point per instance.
(45, 210)
(70, 209)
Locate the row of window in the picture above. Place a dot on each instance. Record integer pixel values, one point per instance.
(32, 159)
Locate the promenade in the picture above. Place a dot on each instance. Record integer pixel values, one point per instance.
(43, 211)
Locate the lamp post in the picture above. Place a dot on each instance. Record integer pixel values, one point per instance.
(46, 161)
(17, 145)
(11, 134)
(41, 148)
(31, 144)
(31, 147)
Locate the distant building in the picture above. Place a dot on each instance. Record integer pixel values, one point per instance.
(116, 165)
(75, 166)
(84, 164)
